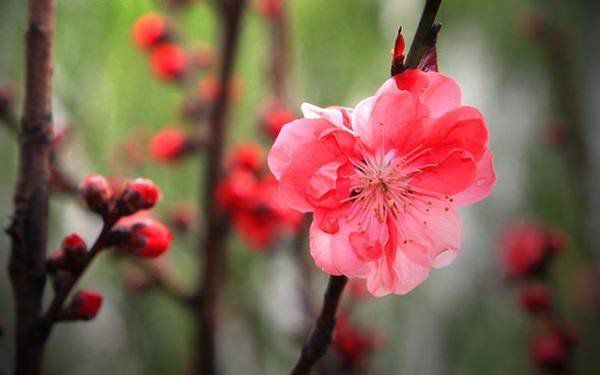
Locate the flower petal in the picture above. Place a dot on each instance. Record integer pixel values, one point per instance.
(485, 180)
(333, 252)
(298, 153)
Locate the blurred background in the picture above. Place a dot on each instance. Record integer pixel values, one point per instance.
(529, 66)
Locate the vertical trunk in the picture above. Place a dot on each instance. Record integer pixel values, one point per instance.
(213, 245)
(29, 225)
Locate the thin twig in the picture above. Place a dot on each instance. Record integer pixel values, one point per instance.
(322, 334)
(425, 35)
(213, 245)
(29, 227)
(55, 310)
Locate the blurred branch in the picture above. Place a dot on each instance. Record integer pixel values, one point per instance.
(564, 79)
(426, 35)
(29, 226)
(317, 343)
(280, 63)
(216, 228)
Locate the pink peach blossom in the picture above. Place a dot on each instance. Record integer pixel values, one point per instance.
(383, 180)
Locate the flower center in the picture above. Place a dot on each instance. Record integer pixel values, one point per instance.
(380, 187)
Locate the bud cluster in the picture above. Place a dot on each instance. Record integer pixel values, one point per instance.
(248, 195)
(103, 199)
(528, 252)
(122, 229)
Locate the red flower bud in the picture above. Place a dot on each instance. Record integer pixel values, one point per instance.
(248, 156)
(527, 249)
(269, 8)
(84, 305)
(168, 61)
(97, 193)
(168, 145)
(149, 30)
(139, 194)
(148, 238)
(535, 298)
(73, 241)
(274, 119)
(354, 345)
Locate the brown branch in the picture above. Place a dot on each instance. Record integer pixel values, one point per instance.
(55, 310)
(60, 181)
(280, 63)
(564, 82)
(29, 227)
(426, 34)
(317, 343)
(213, 245)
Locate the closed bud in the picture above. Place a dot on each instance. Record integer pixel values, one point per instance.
(169, 145)
(269, 8)
(84, 305)
(97, 193)
(535, 298)
(74, 249)
(274, 118)
(149, 30)
(249, 156)
(148, 238)
(139, 194)
(168, 61)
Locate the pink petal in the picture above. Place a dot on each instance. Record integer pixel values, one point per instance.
(339, 116)
(390, 116)
(453, 175)
(439, 92)
(333, 252)
(484, 182)
(397, 275)
(298, 154)
(462, 128)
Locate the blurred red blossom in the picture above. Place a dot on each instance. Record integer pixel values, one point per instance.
(249, 196)
(149, 30)
(168, 61)
(269, 8)
(168, 145)
(527, 247)
(535, 298)
(274, 117)
(84, 305)
(552, 347)
(353, 344)
(249, 156)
